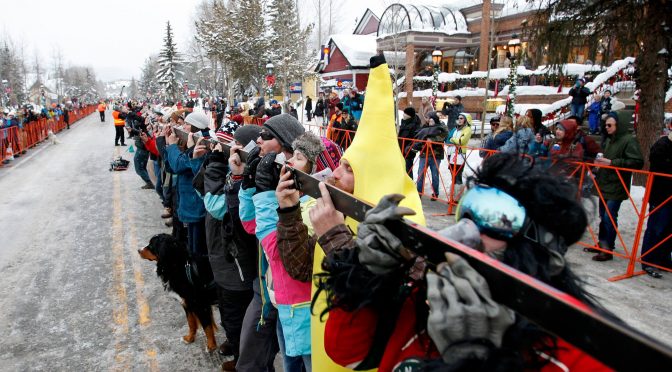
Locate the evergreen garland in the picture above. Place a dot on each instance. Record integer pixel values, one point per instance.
(513, 81)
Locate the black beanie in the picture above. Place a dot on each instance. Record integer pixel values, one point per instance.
(285, 128)
(410, 111)
(247, 133)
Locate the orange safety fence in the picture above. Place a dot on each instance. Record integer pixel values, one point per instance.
(633, 212)
(34, 132)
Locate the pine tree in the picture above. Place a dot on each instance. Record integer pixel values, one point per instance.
(288, 44)
(614, 29)
(170, 72)
(13, 90)
(148, 82)
(133, 89)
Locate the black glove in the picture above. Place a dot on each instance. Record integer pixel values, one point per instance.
(250, 170)
(219, 156)
(268, 174)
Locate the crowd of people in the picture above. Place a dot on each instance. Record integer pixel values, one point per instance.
(295, 277)
(20, 116)
(561, 146)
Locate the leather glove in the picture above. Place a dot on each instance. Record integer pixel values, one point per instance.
(462, 310)
(268, 174)
(250, 169)
(379, 250)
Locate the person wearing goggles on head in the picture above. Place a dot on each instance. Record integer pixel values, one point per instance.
(447, 319)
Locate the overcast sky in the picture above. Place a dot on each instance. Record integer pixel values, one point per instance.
(115, 37)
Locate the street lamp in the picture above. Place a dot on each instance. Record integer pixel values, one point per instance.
(437, 55)
(270, 79)
(512, 54)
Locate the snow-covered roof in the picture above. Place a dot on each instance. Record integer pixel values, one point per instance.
(570, 69)
(357, 49)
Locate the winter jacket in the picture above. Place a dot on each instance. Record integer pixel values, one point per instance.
(623, 151)
(605, 105)
(319, 107)
(232, 251)
(355, 104)
(460, 138)
(408, 129)
(292, 297)
(499, 139)
(660, 158)
(190, 207)
(432, 133)
(332, 102)
(296, 240)
(519, 143)
(538, 149)
(309, 105)
(579, 95)
(595, 114)
(568, 147)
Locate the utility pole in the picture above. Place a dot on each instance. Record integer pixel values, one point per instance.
(485, 57)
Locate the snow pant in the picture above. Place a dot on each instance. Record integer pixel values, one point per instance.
(607, 233)
(577, 109)
(433, 165)
(456, 171)
(196, 238)
(258, 340)
(658, 228)
(297, 363)
(118, 134)
(140, 162)
(102, 115)
(409, 163)
(158, 186)
(232, 307)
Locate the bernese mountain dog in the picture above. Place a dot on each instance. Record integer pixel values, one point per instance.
(179, 273)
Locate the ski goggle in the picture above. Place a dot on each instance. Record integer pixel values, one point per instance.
(496, 213)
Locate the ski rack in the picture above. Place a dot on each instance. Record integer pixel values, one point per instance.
(610, 341)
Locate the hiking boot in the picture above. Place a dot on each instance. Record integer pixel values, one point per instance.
(168, 222)
(225, 349)
(123, 144)
(653, 272)
(603, 256)
(229, 365)
(168, 213)
(590, 250)
(148, 186)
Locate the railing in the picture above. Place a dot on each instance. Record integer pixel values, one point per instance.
(19, 140)
(633, 211)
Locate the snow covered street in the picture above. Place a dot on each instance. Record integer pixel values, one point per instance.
(76, 295)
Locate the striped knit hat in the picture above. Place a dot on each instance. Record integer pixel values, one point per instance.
(329, 158)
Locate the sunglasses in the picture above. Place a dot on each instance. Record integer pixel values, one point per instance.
(496, 213)
(265, 135)
(609, 125)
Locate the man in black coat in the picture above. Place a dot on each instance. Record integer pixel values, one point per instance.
(410, 125)
(309, 108)
(659, 225)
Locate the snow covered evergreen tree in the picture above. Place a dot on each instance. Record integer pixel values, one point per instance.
(148, 85)
(133, 89)
(169, 73)
(11, 75)
(288, 44)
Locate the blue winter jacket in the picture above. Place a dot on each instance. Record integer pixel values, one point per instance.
(190, 207)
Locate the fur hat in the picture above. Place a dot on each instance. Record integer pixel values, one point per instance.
(309, 145)
(285, 128)
(198, 119)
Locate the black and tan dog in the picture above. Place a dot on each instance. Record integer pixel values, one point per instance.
(180, 275)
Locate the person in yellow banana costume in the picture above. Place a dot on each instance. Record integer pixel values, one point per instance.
(373, 166)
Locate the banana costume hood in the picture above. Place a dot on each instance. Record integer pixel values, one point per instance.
(379, 169)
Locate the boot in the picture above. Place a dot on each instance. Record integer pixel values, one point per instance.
(148, 186)
(603, 256)
(226, 349)
(229, 365)
(168, 213)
